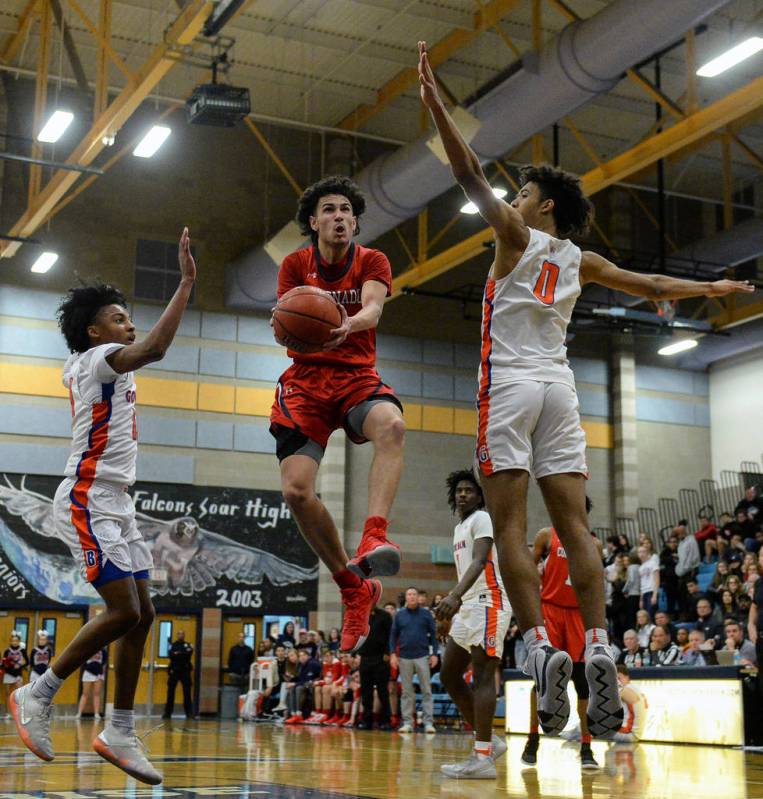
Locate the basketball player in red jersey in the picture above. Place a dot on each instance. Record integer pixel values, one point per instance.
(340, 387)
(529, 421)
(566, 632)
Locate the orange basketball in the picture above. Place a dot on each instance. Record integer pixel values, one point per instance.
(304, 318)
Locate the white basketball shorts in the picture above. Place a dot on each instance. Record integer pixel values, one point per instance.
(531, 425)
(96, 519)
(478, 625)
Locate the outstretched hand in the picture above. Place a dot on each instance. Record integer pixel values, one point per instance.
(429, 94)
(185, 259)
(339, 334)
(720, 288)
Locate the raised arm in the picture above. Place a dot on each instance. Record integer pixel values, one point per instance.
(155, 344)
(596, 269)
(505, 220)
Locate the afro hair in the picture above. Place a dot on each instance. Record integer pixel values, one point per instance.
(452, 481)
(334, 184)
(573, 211)
(79, 308)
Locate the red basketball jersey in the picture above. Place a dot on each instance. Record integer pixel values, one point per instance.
(345, 282)
(557, 587)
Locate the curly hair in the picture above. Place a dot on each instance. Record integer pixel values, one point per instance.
(79, 308)
(573, 211)
(333, 184)
(452, 481)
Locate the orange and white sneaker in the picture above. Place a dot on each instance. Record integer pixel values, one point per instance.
(376, 556)
(358, 604)
(32, 718)
(126, 751)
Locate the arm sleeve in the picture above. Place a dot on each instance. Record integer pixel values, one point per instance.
(288, 275)
(482, 527)
(377, 267)
(97, 364)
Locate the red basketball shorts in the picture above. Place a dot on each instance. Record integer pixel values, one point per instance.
(565, 630)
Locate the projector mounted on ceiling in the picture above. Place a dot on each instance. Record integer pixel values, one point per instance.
(217, 104)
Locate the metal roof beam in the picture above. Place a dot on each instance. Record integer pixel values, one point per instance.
(692, 128)
(17, 39)
(187, 25)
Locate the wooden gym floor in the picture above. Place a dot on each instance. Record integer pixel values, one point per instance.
(210, 758)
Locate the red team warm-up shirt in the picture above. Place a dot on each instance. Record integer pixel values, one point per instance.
(345, 282)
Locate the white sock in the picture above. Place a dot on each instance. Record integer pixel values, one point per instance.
(596, 636)
(45, 688)
(123, 721)
(483, 749)
(536, 636)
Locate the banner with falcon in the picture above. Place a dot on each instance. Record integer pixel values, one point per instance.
(232, 548)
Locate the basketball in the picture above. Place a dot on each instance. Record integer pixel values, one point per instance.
(304, 318)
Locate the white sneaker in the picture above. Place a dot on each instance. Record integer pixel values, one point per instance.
(126, 751)
(499, 747)
(405, 728)
(551, 669)
(98, 717)
(474, 768)
(78, 716)
(430, 728)
(605, 710)
(32, 718)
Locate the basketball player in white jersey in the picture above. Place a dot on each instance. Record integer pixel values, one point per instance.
(480, 613)
(528, 409)
(95, 515)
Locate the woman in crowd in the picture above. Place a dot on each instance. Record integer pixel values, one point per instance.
(720, 576)
(288, 635)
(632, 588)
(734, 584)
(93, 677)
(617, 602)
(728, 605)
(333, 642)
(668, 576)
(644, 628)
(682, 639)
(15, 660)
(40, 657)
(289, 674)
(649, 577)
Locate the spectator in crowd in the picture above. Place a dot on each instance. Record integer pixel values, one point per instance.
(720, 575)
(668, 576)
(317, 641)
(662, 618)
(662, 651)
(514, 648)
(634, 707)
(644, 627)
(751, 505)
(709, 622)
(265, 648)
(322, 688)
(755, 624)
(649, 578)
(423, 598)
(736, 642)
(623, 543)
(93, 677)
(287, 635)
(632, 588)
(693, 595)
(688, 561)
(734, 554)
(633, 653)
(695, 654)
(755, 544)
(728, 604)
(15, 660)
(436, 601)
(40, 657)
(180, 671)
(240, 659)
(299, 690)
(616, 575)
(611, 549)
(304, 642)
(333, 642)
(288, 669)
(706, 537)
(374, 669)
(391, 608)
(749, 571)
(413, 628)
(681, 638)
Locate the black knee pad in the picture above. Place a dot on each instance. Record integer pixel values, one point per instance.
(579, 680)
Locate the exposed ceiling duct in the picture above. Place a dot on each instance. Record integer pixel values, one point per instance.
(587, 58)
(715, 253)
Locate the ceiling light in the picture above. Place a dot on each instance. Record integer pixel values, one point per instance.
(152, 141)
(54, 128)
(44, 262)
(678, 346)
(731, 57)
(471, 208)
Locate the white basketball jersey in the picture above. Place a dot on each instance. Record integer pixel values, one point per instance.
(525, 315)
(634, 716)
(488, 588)
(104, 428)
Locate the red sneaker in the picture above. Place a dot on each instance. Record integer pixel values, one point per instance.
(358, 604)
(295, 719)
(376, 556)
(348, 723)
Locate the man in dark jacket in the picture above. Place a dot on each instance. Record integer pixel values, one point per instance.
(240, 659)
(179, 672)
(302, 687)
(374, 669)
